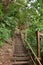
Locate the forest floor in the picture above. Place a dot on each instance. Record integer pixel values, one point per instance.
(6, 52)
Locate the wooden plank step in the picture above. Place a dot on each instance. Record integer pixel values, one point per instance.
(20, 62)
(22, 55)
(21, 52)
(19, 44)
(20, 58)
(19, 49)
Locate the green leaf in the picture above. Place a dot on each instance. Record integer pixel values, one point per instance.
(1, 43)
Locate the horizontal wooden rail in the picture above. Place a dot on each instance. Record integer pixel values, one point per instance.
(41, 34)
(26, 43)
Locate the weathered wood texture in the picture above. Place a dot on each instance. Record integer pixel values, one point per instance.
(38, 43)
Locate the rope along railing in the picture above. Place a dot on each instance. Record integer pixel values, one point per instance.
(25, 42)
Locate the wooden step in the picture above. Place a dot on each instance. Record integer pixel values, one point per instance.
(20, 51)
(20, 62)
(19, 44)
(20, 58)
(18, 47)
(22, 55)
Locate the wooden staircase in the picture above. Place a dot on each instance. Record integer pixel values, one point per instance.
(21, 55)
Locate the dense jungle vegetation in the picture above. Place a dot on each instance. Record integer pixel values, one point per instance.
(16, 13)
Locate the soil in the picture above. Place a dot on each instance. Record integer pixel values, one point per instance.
(6, 52)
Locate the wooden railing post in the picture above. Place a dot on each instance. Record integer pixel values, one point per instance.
(38, 44)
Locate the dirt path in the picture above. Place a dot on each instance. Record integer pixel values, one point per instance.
(6, 52)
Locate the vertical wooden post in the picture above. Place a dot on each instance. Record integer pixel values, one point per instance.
(38, 44)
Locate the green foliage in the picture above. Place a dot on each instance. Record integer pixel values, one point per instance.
(4, 33)
(1, 12)
(22, 12)
(1, 43)
(36, 23)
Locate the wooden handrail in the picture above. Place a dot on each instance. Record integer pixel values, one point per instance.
(33, 52)
(25, 41)
(33, 60)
